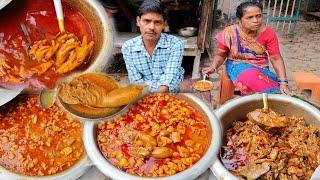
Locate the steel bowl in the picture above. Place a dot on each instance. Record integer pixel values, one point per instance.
(187, 31)
(73, 172)
(8, 94)
(91, 145)
(102, 28)
(3, 3)
(104, 115)
(238, 108)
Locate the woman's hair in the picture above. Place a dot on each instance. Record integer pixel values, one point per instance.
(244, 5)
(154, 6)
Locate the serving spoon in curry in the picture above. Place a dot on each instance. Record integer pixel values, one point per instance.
(48, 96)
(267, 118)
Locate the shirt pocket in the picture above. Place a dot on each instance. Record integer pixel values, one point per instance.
(141, 63)
(159, 63)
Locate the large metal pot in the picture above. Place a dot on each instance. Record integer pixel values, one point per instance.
(202, 165)
(238, 108)
(3, 3)
(102, 29)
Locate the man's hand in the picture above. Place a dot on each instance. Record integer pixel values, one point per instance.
(163, 89)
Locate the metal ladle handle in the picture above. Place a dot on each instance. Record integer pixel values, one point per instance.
(204, 77)
(265, 102)
(59, 13)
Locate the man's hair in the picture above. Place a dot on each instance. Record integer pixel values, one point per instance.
(244, 5)
(154, 6)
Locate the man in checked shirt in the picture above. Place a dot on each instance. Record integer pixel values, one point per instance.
(154, 57)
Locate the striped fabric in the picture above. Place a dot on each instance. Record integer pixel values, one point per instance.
(162, 68)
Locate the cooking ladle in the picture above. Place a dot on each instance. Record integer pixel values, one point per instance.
(265, 108)
(48, 96)
(267, 118)
(59, 13)
(204, 77)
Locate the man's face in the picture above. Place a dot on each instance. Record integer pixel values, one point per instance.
(151, 25)
(252, 18)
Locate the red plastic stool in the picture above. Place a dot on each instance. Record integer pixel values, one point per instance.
(310, 81)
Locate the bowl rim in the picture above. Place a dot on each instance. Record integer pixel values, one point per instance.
(7, 95)
(201, 166)
(3, 3)
(217, 168)
(202, 90)
(73, 172)
(107, 45)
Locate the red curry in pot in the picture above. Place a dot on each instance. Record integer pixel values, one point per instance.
(40, 20)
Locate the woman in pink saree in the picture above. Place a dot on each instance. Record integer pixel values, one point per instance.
(247, 48)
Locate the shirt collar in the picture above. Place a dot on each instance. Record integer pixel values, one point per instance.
(161, 43)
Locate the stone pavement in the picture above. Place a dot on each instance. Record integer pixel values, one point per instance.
(300, 53)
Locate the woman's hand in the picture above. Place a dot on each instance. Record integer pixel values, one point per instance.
(284, 88)
(208, 70)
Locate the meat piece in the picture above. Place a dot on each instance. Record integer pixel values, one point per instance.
(254, 171)
(41, 68)
(84, 92)
(292, 170)
(42, 50)
(77, 57)
(67, 96)
(141, 144)
(175, 137)
(139, 151)
(270, 119)
(161, 152)
(121, 96)
(93, 95)
(64, 51)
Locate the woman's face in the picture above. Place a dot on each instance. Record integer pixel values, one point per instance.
(252, 18)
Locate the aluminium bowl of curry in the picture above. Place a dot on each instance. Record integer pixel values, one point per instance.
(38, 144)
(283, 143)
(162, 136)
(95, 96)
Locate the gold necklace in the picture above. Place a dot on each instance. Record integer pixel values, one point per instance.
(259, 49)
